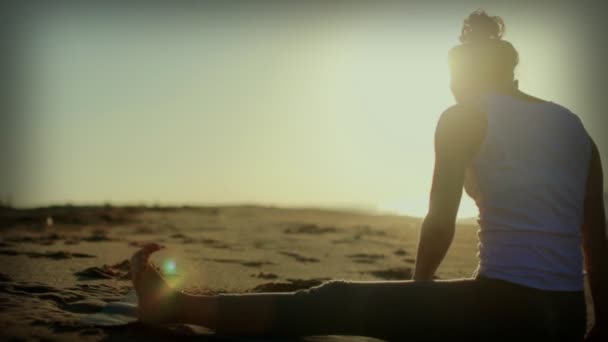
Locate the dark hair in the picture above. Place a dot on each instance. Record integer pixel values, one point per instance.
(482, 50)
(480, 26)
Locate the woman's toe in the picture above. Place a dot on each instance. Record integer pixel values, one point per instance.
(139, 260)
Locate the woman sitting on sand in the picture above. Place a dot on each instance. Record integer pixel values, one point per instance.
(536, 177)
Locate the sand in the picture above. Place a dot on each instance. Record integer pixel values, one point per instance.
(59, 265)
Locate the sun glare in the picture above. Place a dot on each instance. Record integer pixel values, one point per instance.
(419, 207)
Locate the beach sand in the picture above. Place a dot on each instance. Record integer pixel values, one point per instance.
(60, 264)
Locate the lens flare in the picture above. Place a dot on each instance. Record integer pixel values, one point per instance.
(169, 267)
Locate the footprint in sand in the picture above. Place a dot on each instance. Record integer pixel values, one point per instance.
(309, 229)
(120, 271)
(299, 257)
(367, 230)
(45, 239)
(400, 252)
(289, 286)
(365, 234)
(97, 238)
(363, 258)
(241, 262)
(263, 275)
(179, 236)
(393, 273)
(80, 299)
(59, 255)
(147, 230)
(213, 243)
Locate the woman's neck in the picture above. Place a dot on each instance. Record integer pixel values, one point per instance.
(510, 88)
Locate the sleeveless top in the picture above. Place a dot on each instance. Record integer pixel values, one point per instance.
(529, 180)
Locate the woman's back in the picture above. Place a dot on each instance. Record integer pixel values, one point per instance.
(528, 180)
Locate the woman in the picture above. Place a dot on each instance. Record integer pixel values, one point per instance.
(536, 177)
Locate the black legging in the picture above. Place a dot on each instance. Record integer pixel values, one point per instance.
(480, 309)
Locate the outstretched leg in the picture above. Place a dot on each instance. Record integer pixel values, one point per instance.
(380, 309)
(466, 309)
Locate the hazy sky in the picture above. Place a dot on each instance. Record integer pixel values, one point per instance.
(310, 106)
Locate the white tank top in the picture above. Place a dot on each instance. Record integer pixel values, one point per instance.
(528, 180)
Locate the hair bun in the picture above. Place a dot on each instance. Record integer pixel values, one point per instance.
(480, 26)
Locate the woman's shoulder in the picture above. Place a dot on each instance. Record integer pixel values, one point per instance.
(468, 122)
(555, 107)
(464, 113)
(527, 97)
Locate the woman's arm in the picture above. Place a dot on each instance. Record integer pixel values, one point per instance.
(595, 244)
(457, 138)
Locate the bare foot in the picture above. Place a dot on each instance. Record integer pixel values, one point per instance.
(155, 298)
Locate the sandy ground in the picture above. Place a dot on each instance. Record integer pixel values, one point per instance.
(62, 263)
